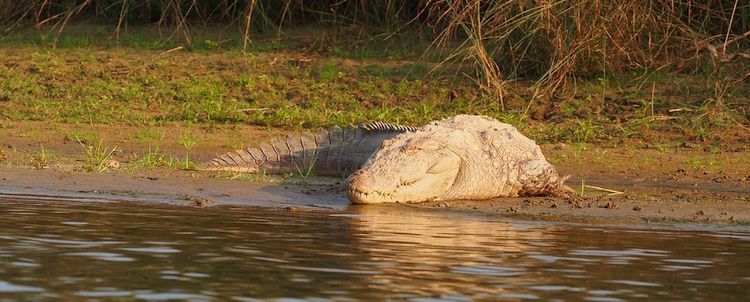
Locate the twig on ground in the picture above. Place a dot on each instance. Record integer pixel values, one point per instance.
(253, 109)
(611, 192)
(662, 118)
(739, 124)
(173, 49)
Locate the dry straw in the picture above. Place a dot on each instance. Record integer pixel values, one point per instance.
(547, 40)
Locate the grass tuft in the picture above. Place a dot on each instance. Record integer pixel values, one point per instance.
(98, 157)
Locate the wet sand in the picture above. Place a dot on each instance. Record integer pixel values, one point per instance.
(643, 203)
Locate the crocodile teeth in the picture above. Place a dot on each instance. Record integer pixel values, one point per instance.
(360, 195)
(352, 191)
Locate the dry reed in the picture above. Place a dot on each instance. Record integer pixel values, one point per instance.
(548, 40)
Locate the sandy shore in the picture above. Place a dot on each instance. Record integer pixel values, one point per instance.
(645, 202)
(672, 186)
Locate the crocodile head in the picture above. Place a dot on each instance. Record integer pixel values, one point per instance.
(407, 168)
(462, 157)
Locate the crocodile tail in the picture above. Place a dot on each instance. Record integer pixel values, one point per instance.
(279, 155)
(330, 151)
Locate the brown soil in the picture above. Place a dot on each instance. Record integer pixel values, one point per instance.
(658, 186)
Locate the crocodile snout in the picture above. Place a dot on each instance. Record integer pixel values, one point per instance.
(360, 190)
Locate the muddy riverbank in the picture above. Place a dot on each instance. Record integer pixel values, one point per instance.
(641, 202)
(615, 185)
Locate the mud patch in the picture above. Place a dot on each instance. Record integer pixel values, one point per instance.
(716, 205)
(184, 188)
(639, 205)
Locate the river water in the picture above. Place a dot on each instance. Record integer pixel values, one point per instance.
(115, 251)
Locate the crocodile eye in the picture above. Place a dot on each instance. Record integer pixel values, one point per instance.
(429, 145)
(409, 149)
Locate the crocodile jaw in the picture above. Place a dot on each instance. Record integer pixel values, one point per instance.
(427, 180)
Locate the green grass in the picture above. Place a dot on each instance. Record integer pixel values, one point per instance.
(188, 141)
(705, 163)
(41, 159)
(251, 177)
(305, 172)
(156, 158)
(149, 135)
(86, 137)
(332, 42)
(96, 81)
(410, 71)
(97, 156)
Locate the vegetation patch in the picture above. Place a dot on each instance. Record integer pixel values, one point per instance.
(615, 73)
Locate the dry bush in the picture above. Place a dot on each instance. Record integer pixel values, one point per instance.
(551, 41)
(554, 40)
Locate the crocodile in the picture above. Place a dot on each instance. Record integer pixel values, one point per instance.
(463, 157)
(326, 152)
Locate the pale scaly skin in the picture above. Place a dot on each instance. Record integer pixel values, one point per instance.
(327, 152)
(463, 157)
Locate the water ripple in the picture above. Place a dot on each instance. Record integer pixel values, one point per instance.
(149, 252)
(103, 293)
(332, 270)
(618, 253)
(155, 249)
(113, 257)
(167, 296)
(635, 283)
(488, 270)
(65, 243)
(6, 287)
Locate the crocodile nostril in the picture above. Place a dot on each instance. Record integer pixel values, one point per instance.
(355, 180)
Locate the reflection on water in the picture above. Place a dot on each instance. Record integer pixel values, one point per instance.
(113, 251)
